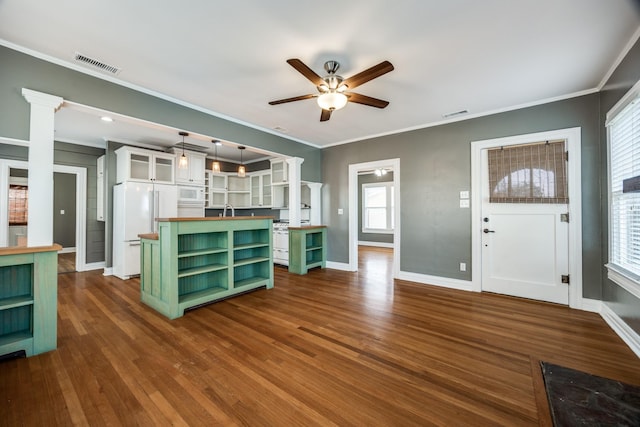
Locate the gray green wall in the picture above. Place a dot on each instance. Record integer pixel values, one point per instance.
(371, 237)
(435, 165)
(83, 157)
(64, 224)
(623, 303)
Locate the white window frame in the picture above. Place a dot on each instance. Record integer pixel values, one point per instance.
(389, 199)
(619, 275)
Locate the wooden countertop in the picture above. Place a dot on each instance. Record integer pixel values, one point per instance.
(212, 218)
(307, 227)
(149, 236)
(16, 250)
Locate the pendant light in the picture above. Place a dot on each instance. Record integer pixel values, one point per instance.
(183, 163)
(242, 171)
(215, 166)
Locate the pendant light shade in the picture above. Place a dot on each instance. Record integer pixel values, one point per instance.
(183, 163)
(215, 166)
(242, 171)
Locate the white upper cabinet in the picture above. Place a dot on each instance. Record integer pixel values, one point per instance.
(194, 173)
(215, 190)
(279, 169)
(138, 164)
(261, 189)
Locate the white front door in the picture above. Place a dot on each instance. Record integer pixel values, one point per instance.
(525, 249)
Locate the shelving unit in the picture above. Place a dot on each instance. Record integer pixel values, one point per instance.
(307, 248)
(28, 299)
(191, 261)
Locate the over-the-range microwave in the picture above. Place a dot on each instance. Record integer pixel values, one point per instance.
(190, 196)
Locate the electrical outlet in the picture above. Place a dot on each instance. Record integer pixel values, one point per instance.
(463, 266)
(340, 211)
(464, 194)
(61, 211)
(464, 203)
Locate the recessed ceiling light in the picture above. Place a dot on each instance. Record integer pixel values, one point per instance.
(106, 119)
(215, 141)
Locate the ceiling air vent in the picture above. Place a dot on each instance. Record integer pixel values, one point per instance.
(455, 113)
(96, 63)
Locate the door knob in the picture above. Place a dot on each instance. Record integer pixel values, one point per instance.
(486, 230)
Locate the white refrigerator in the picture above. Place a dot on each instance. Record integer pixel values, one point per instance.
(136, 205)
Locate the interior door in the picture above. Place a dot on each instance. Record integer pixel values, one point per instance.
(525, 249)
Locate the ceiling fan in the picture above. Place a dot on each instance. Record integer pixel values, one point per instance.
(334, 91)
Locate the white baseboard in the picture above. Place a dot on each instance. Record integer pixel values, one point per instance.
(93, 266)
(108, 271)
(338, 266)
(445, 282)
(376, 244)
(592, 305)
(620, 327)
(67, 250)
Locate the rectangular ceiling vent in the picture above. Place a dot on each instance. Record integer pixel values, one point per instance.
(455, 113)
(96, 63)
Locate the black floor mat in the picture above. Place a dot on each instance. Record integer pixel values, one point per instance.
(580, 399)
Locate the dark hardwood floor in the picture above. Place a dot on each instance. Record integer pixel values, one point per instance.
(328, 348)
(66, 262)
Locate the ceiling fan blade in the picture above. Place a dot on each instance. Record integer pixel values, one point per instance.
(366, 100)
(305, 71)
(325, 115)
(369, 74)
(295, 98)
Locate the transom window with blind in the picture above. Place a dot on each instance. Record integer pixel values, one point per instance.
(623, 125)
(531, 173)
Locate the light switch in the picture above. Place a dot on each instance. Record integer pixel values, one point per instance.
(464, 194)
(61, 211)
(464, 203)
(340, 211)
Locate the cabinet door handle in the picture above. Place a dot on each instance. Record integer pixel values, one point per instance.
(486, 230)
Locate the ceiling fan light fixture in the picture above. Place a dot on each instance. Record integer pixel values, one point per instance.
(332, 100)
(183, 163)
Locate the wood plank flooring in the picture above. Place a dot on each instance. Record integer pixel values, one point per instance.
(328, 348)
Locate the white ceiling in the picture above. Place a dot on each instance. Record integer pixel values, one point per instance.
(228, 57)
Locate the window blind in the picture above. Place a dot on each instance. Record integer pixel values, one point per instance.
(532, 173)
(624, 160)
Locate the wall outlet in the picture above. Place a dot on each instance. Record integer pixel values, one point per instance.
(340, 211)
(464, 203)
(463, 266)
(464, 194)
(61, 211)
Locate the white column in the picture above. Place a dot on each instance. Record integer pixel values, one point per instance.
(294, 191)
(41, 128)
(315, 217)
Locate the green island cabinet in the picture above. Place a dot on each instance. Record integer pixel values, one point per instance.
(195, 261)
(28, 299)
(307, 248)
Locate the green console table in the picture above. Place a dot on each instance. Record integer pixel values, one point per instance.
(28, 299)
(307, 248)
(194, 261)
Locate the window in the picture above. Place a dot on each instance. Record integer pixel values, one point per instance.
(377, 208)
(18, 204)
(623, 123)
(532, 173)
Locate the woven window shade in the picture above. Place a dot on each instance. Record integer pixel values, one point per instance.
(532, 173)
(18, 204)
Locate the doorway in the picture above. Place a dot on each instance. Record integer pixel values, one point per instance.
(526, 249)
(80, 190)
(357, 216)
